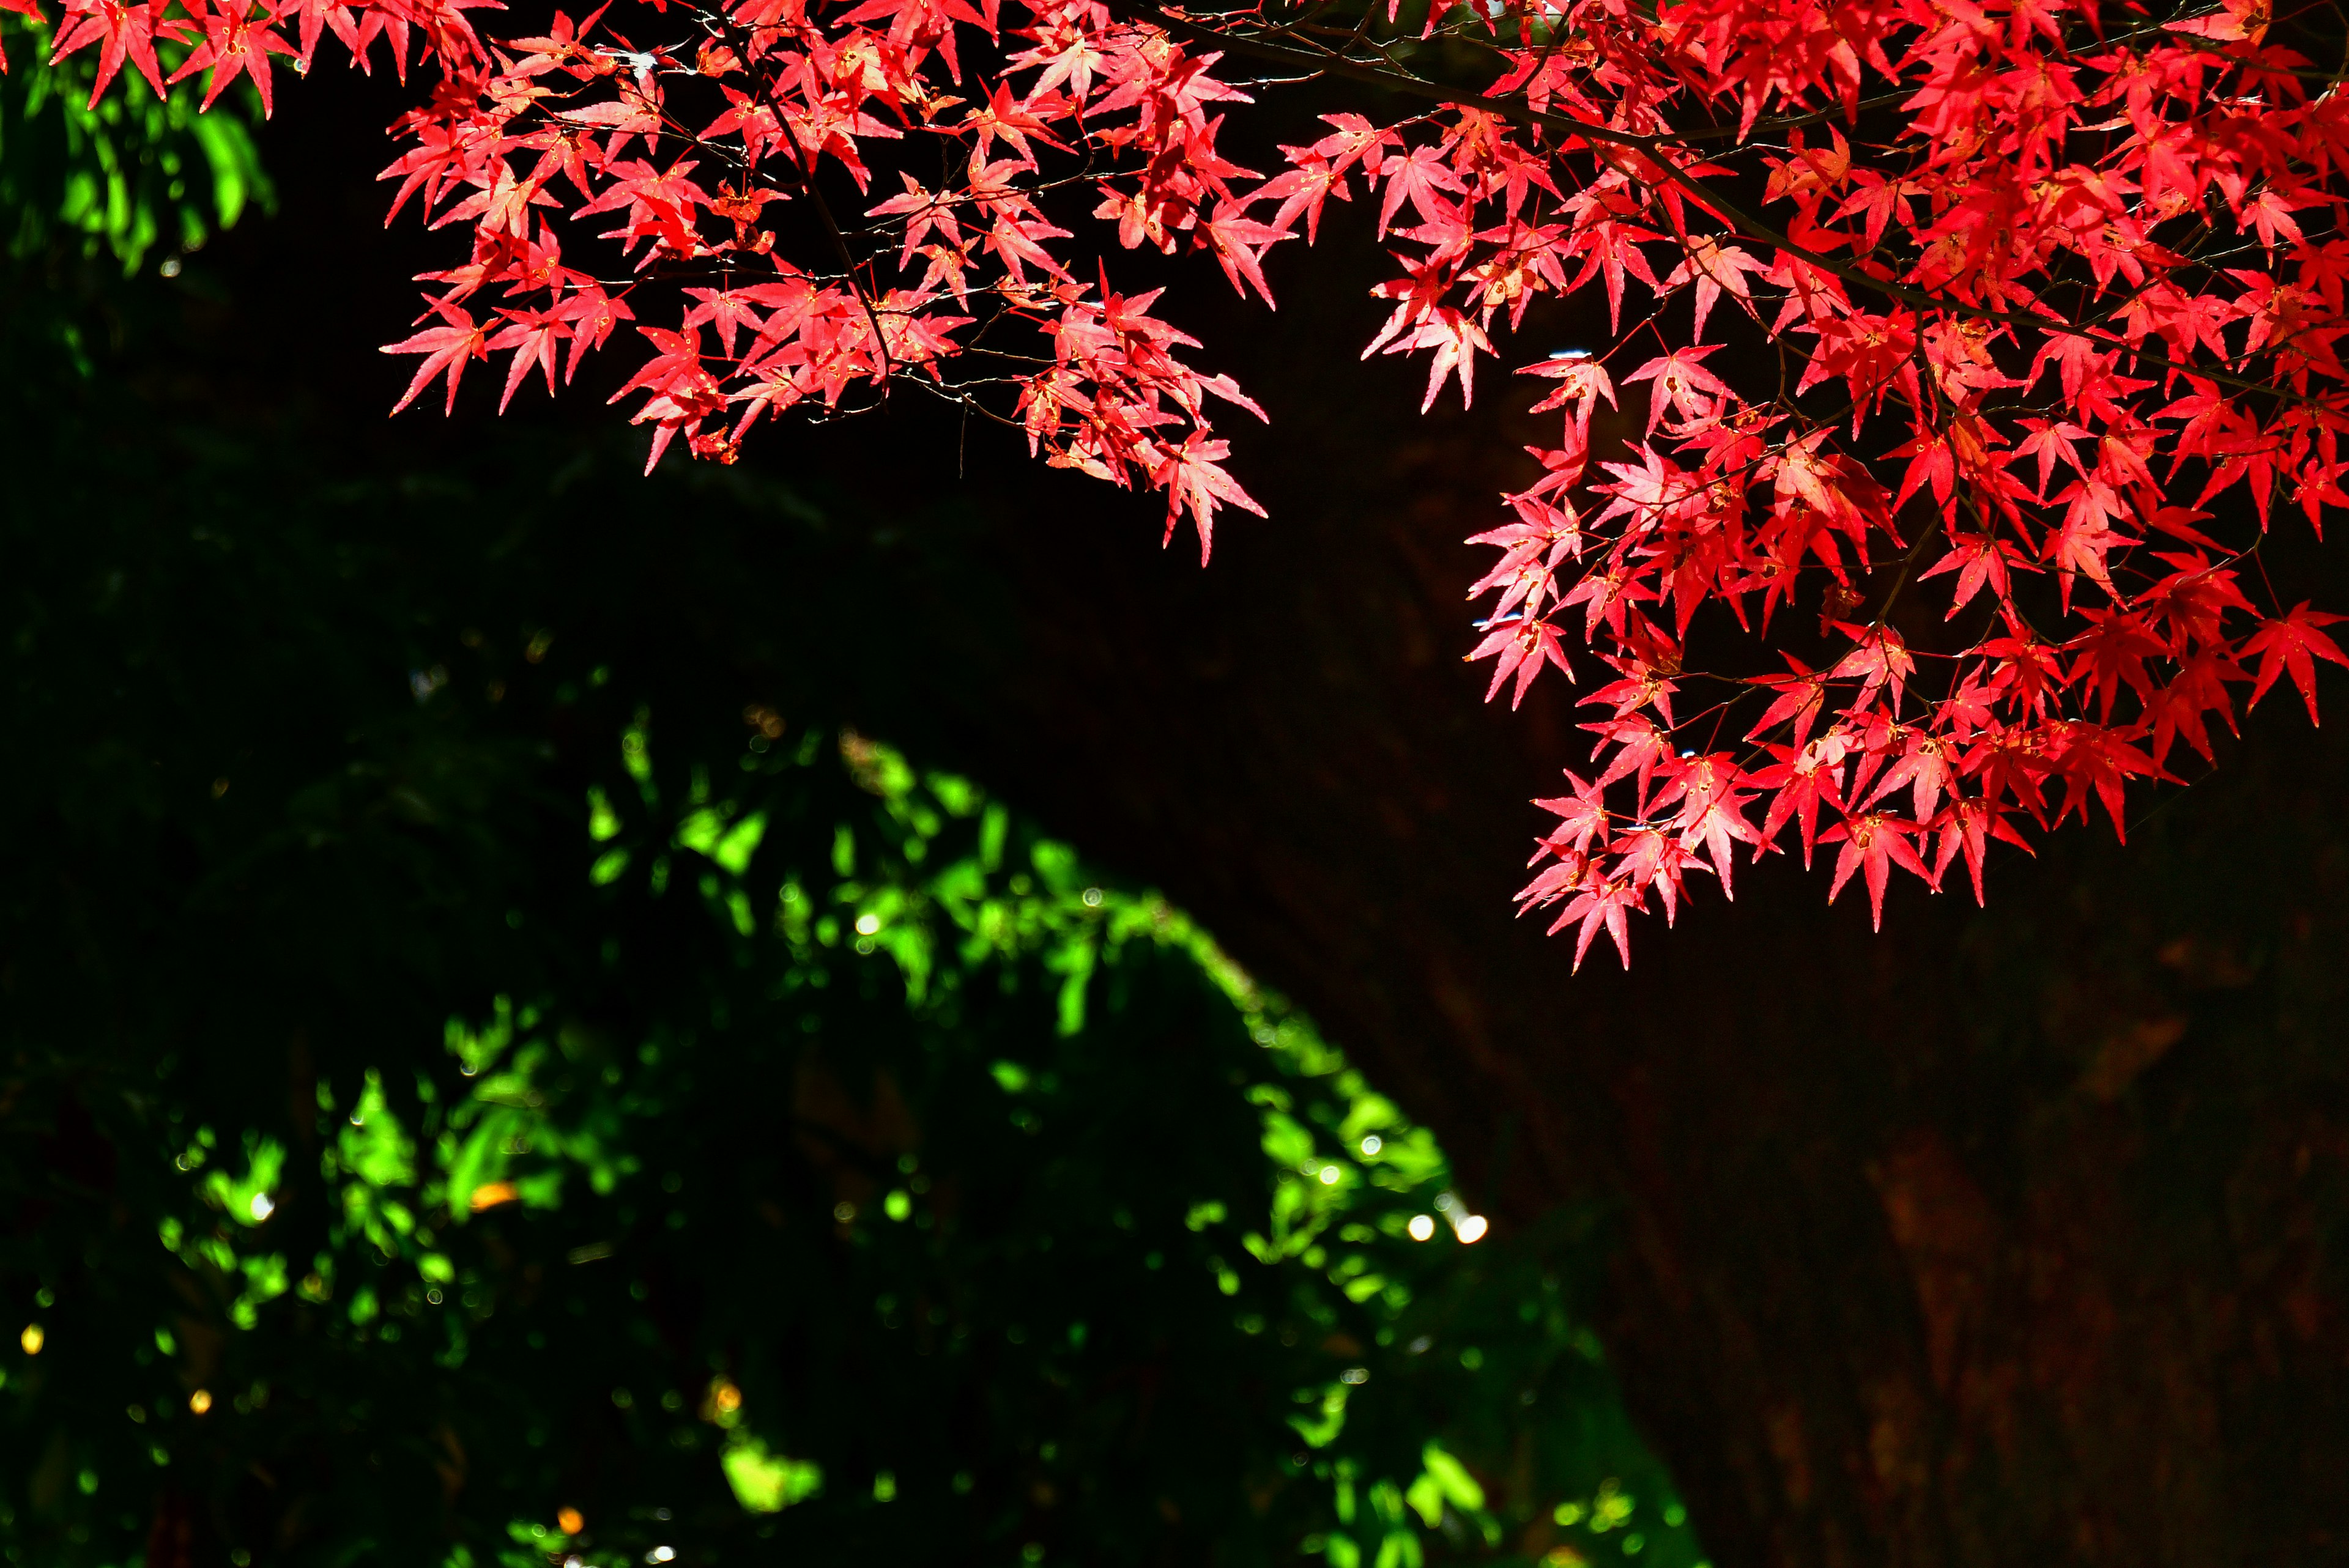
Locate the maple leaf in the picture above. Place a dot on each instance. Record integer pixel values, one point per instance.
(1640, 748)
(1800, 781)
(1239, 242)
(1301, 189)
(925, 213)
(1925, 766)
(1563, 876)
(1419, 322)
(1969, 825)
(1979, 562)
(1642, 686)
(1192, 476)
(1006, 116)
(2293, 642)
(1712, 792)
(2090, 758)
(235, 43)
(1456, 340)
(2176, 706)
(1581, 381)
(1419, 177)
(2080, 543)
(1647, 857)
(125, 32)
(532, 334)
(1611, 251)
(592, 315)
(1522, 644)
(727, 310)
(659, 203)
(447, 348)
(1583, 817)
(1714, 267)
(1873, 844)
(1608, 905)
(2052, 441)
(680, 394)
(1878, 658)
(1801, 693)
(1681, 380)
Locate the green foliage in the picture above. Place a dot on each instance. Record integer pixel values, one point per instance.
(958, 1184)
(484, 1039)
(131, 174)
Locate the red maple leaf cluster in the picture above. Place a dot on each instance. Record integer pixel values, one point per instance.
(2026, 308)
(2081, 283)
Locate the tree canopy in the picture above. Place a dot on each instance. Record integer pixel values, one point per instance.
(2041, 299)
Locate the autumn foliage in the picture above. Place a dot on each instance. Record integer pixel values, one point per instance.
(1988, 339)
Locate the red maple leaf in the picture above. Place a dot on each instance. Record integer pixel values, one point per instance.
(446, 348)
(1874, 842)
(2293, 642)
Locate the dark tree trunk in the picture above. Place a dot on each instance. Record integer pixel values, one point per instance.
(1996, 1238)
